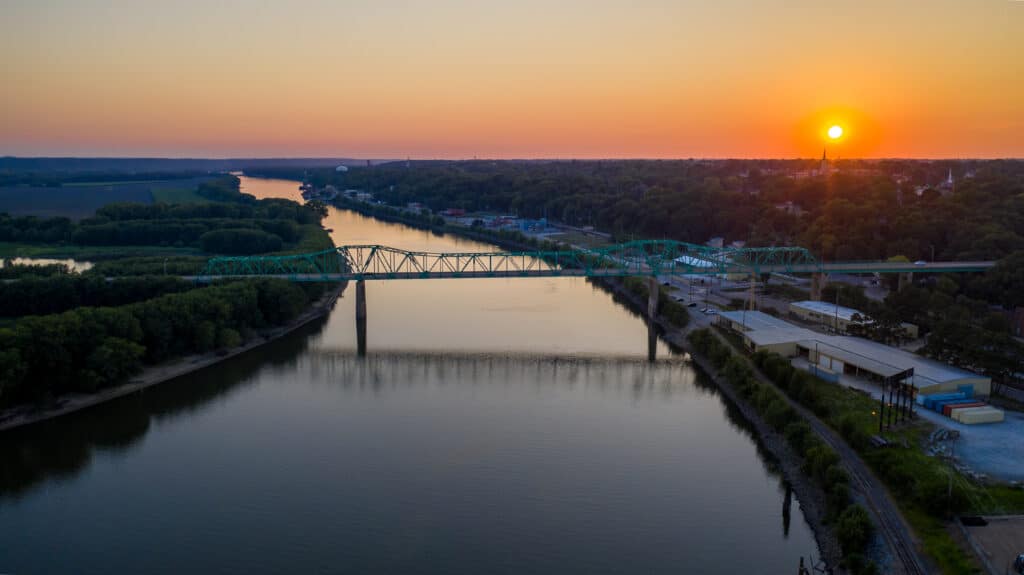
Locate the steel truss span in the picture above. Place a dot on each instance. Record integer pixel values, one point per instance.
(638, 258)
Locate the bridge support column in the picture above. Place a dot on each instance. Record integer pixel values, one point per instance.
(361, 317)
(905, 279)
(818, 282)
(652, 297)
(652, 342)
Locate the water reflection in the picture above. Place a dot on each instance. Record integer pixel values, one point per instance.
(493, 426)
(73, 265)
(65, 446)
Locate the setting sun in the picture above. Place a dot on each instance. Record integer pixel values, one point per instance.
(835, 132)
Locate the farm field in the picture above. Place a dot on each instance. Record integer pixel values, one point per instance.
(81, 200)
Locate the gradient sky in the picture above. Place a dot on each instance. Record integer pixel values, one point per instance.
(522, 78)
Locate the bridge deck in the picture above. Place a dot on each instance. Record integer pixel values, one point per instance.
(642, 258)
(850, 267)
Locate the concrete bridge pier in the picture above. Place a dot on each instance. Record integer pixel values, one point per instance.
(905, 279)
(652, 297)
(652, 342)
(818, 282)
(361, 317)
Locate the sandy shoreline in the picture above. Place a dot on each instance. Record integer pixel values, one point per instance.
(22, 415)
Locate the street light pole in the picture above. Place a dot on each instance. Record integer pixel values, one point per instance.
(165, 266)
(837, 311)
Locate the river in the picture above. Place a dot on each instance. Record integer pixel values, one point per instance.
(495, 426)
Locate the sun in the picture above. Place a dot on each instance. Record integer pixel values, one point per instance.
(835, 132)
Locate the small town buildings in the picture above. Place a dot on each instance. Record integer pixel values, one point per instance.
(836, 317)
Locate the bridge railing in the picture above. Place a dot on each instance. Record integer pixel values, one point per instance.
(643, 258)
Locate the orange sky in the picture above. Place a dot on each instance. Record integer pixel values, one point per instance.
(523, 78)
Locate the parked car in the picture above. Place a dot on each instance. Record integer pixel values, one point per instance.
(920, 263)
(692, 304)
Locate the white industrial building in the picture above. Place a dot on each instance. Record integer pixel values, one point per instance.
(836, 317)
(833, 355)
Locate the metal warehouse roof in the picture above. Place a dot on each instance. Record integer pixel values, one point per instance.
(867, 355)
(775, 336)
(828, 309)
(887, 360)
(756, 320)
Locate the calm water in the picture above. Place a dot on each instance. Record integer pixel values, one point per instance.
(496, 426)
(73, 265)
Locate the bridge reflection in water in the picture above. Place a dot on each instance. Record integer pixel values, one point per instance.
(361, 325)
(380, 370)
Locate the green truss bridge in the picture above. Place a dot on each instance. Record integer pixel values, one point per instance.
(650, 258)
(640, 258)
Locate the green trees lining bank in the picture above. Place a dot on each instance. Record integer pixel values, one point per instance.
(11, 270)
(90, 348)
(673, 311)
(48, 295)
(852, 525)
(927, 490)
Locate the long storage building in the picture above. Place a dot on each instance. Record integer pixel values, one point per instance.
(833, 355)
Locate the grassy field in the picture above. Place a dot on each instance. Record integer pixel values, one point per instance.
(172, 194)
(73, 202)
(115, 183)
(581, 239)
(87, 253)
(81, 200)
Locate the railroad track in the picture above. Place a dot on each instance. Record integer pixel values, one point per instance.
(888, 519)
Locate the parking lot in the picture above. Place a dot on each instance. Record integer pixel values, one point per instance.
(1000, 542)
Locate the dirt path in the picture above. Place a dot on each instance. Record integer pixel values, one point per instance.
(70, 403)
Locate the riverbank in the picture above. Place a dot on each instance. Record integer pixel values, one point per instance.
(811, 497)
(26, 415)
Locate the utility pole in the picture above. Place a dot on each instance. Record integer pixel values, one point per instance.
(836, 327)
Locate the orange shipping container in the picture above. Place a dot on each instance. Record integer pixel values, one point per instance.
(947, 410)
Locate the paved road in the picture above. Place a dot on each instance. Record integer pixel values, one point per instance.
(881, 267)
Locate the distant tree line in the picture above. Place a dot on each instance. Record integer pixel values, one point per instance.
(231, 223)
(47, 295)
(856, 213)
(32, 229)
(50, 178)
(89, 348)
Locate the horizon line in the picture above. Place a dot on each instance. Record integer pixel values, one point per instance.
(517, 159)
